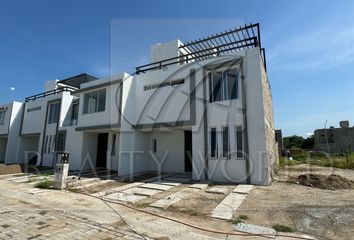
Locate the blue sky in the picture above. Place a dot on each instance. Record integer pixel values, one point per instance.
(310, 46)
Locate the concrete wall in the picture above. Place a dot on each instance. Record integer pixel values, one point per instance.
(74, 145)
(340, 140)
(257, 131)
(28, 147)
(271, 144)
(113, 161)
(89, 150)
(13, 142)
(3, 145)
(111, 113)
(169, 156)
(164, 51)
(165, 104)
(4, 128)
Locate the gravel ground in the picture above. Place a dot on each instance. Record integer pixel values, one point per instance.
(327, 214)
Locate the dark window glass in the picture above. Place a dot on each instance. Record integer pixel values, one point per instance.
(232, 84)
(53, 112)
(239, 141)
(213, 143)
(49, 143)
(102, 100)
(217, 78)
(95, 101)
(2, 117)
(223, 85)
(74, 113)
(154, 145)
(60, 142)
(225, 142)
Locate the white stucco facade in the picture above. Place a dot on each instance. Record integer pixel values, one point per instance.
(168, 119)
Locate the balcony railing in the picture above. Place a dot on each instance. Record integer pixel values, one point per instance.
(50, 93)
(223, 43)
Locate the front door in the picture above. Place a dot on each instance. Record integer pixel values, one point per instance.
(188, 151)
(102, 146)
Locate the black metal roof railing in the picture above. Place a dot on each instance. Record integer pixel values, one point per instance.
(223, 43)
(50, 93)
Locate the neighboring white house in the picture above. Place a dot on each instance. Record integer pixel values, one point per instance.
(10, 122)
(203, 107)
(44, 116)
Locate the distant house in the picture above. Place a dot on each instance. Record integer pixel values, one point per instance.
(335, 140)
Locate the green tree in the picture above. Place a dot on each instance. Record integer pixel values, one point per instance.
(293, 142)
(308, 143)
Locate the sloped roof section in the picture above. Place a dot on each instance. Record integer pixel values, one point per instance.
(77, 80)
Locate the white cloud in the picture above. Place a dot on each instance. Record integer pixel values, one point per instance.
(325, 46)
(12, 88)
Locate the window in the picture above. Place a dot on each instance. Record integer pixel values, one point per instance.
(113, 150)
(239, 142)
(163, 84)
(53, 142)
(223, 85)
(34, 109)
(95, 101)
(49, 143)
(60, 141)
(154, 145)
(74, 113)
(225, 142)
(213, 143)
(2, 117)
(54, 112)
(45, 143)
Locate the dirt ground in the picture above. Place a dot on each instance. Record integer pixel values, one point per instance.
(10, 169)
(326, 214)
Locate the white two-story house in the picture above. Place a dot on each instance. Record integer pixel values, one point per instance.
(203, 107)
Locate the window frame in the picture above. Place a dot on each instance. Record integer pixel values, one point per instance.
(223, 84)
(52, 119)
(238, 156)
(2, 117)
(228, 141)
(216, 153)
(72, 119)
(154, 145)
(86, 106)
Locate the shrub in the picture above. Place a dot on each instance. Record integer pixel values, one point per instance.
(47, 184)
(282, 228)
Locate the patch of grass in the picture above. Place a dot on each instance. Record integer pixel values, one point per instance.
(190, 211)
(239, 219)
(343, 161)
(74, 190)
(20, 175)
(236, 220)
(282, 228)
(243, 217)
(284, 161)
(46, 184)
(142, 205)
(211, 184)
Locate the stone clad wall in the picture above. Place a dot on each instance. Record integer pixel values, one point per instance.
(271, 145)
